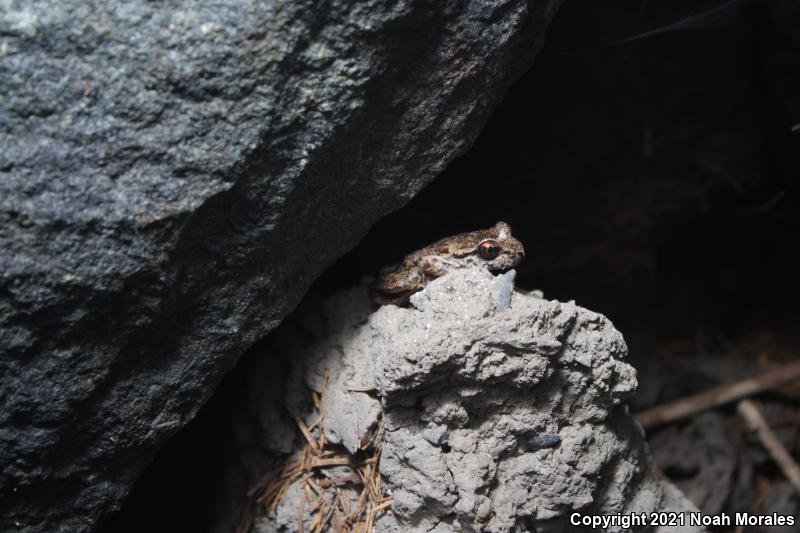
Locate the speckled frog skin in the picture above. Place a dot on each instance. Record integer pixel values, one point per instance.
(494, 249)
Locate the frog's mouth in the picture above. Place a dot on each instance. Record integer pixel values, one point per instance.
(496, 266)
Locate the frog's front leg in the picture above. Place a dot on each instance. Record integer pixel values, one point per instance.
(435, 266)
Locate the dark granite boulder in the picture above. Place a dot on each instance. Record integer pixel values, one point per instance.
(174, 175)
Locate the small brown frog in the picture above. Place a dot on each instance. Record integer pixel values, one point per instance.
(493, 249)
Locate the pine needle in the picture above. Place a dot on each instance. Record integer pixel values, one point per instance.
(323, 505)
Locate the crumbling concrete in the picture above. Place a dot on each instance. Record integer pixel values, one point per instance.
(500, 411)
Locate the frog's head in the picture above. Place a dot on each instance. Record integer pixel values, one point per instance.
(498, 249)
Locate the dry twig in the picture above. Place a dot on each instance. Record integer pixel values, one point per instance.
(755, 421)
(718, 396)
(366, 388)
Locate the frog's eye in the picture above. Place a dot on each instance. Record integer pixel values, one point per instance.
(489, 249)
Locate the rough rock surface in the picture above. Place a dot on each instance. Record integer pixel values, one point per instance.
(174, 175)
(528, 393)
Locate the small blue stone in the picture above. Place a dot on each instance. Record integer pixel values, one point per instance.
(543, 440)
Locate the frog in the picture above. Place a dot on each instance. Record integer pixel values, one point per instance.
(494, 249)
